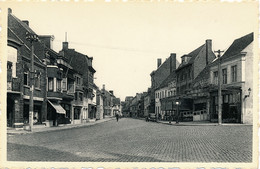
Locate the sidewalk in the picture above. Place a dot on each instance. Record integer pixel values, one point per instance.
(13, 131)
(201, 123)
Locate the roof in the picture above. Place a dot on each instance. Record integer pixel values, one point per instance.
(77, 60)
(23, 24)
(238, 45)
(192, 55)
(169, 79)
(203, 75)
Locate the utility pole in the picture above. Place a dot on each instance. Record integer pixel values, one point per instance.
(219, 88)
(32, 38)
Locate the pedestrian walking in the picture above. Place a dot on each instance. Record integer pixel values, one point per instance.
(117, 117)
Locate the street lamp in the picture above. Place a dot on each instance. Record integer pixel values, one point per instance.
(31, 37)
(177, 120)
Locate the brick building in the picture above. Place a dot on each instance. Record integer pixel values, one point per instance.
(159, 75)
(19, 75)
(191, 66)
(83, 106)
(163, 95)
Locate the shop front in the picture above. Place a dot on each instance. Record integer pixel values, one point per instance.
(231, 106)
(177, 109)
(55, 114)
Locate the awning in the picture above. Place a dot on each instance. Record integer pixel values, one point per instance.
(57, 107)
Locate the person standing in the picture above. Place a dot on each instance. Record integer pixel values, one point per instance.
(117, 117)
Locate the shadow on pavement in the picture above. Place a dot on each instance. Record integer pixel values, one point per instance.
(18, 152)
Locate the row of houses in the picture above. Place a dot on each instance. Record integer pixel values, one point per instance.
(189, 90)
(64, 88)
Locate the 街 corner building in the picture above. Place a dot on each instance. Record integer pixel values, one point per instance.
(64, 91)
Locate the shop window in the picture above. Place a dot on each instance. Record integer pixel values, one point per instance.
(50, 84)
(25, 78)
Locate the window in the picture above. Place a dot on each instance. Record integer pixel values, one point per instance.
(76, 95)
(12, 57)
(215, 77)
(9, 65)
(64, 84)
(25, 78)
(231, 98)
(225, 98)
(76, 113)
(58, 85)
(78, 80)
(224, 75)
(50, 84)
(38, 81)
(182, 59)
(81, 96)
(234, 73)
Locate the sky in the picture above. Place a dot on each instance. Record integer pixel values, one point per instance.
(125, 39)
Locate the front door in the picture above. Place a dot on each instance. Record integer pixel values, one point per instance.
(10, 112)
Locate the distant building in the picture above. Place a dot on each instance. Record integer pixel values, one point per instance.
(163, 95)
(159, 75)
(84, 107)
(147, 100)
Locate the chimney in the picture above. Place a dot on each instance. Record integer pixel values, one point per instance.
(159, 62)
(47, 40)
(172, 62)
(104, 87)
(26, 22)
(111, 91)
(9, 10)
(208, 49)
(65, 45)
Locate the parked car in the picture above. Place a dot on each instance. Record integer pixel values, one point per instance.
(151, 117)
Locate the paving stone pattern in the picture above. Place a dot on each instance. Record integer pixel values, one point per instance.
(133, 140)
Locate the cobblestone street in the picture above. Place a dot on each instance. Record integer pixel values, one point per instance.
(133, 140)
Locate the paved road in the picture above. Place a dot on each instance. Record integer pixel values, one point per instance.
(133, 140)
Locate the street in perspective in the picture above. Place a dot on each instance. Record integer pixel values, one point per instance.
(133, 140)
(92, 94)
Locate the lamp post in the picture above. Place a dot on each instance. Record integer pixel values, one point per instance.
(31, 38)
(177, 120)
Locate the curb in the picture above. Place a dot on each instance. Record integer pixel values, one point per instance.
(50, 129)
(202, 124)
